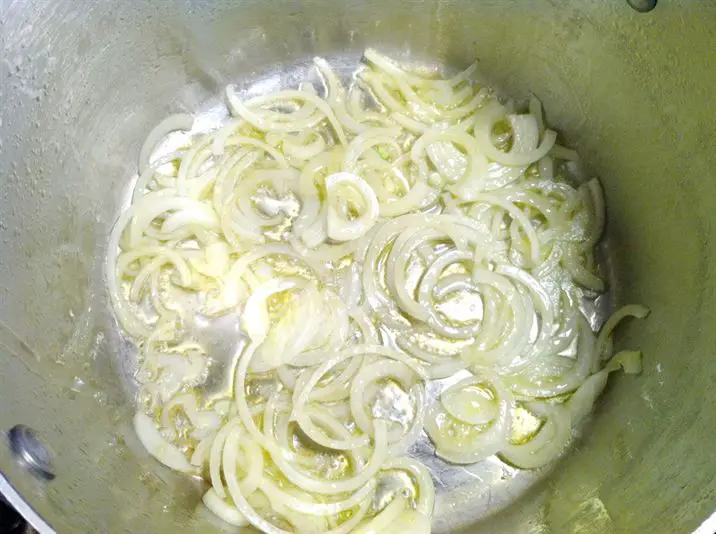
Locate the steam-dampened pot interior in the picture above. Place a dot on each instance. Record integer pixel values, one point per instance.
(81, 89)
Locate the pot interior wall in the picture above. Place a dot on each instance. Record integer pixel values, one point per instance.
(81, 86)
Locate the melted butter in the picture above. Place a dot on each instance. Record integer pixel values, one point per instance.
(324, 463)
(222, 339)
(393, 483)
(280, 304)
(524, 425)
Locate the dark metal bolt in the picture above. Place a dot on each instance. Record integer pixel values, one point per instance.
(31, 452)
(642, 6)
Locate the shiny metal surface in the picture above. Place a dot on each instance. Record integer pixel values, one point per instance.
(81, 86)
(30, 452)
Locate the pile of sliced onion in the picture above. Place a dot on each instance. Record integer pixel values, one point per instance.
(397, 231)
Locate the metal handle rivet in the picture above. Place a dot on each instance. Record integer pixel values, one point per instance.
(642, 6)
(31, 452)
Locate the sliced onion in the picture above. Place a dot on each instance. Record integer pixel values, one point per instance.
(287, 126)
(486, 119)
(339, 226)
(255, 318)
(476, 444)
(547, 445)
(386, 518)
(226, 511)
(631, 310)
(180, 121)
(158, 447)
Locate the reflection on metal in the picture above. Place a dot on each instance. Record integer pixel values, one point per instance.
(13, 498)
(30, 452)
(708, 526)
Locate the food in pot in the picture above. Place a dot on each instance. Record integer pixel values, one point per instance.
(405, 233)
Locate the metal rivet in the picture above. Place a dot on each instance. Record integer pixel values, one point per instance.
(31, 452)
(642, 6)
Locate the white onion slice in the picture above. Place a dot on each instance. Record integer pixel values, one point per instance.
(425, 489)
(255, 317)
(339, 225)
(226, 511)
(158, 447)
(549, 443)
(474, 444)
(631, 310)
(180, 121)
(486, 119)
(385, 519)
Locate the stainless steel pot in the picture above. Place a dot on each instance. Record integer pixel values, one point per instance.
(82, 82)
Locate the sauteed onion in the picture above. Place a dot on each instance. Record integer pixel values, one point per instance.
(407, 230)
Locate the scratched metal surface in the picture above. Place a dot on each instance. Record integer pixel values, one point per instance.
(82, 83)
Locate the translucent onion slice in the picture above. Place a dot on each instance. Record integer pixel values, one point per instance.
(296, 331)
(180, 121)
(318, 508)
(385, 519)
(469, 403)
(462, 443)
(548, 444)
(255, 317)
(215, 457)
(628, 360)
(252, 464)
(158, 447)
(412, 521)
(225, 510)
(484, 123)
(403, 435)
(425, 489)
(285, 125)
(630, 310)
(346, 191)
(525, 133)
